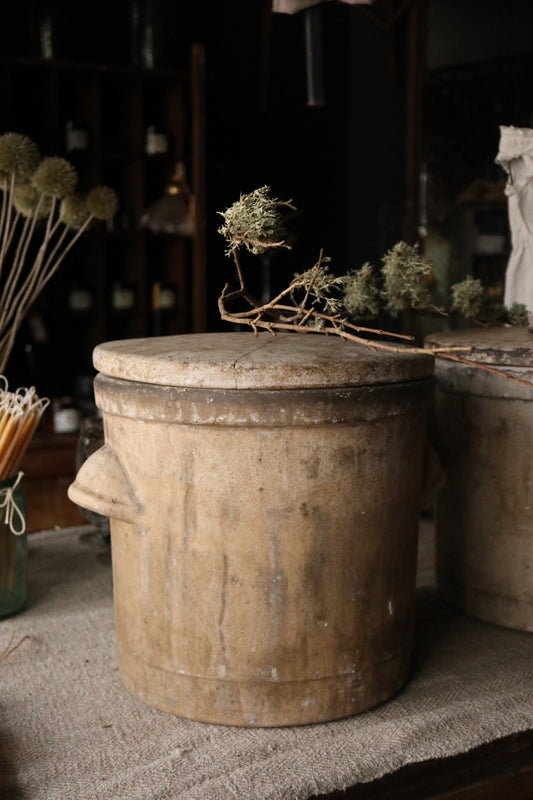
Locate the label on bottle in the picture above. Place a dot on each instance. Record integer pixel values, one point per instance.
(66, 420)
(76, 138)
(156, 142)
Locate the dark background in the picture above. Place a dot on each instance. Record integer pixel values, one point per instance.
(395, 104)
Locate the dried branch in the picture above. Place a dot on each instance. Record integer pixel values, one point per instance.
(318, 301)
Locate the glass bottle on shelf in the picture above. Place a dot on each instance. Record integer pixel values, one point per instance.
(76, 137)
(156, 141)
(173, 212)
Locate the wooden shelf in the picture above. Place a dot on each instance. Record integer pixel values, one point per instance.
(49, 468)
(115, 105)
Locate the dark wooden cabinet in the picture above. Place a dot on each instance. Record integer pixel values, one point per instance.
(49, 467)
(103, 118)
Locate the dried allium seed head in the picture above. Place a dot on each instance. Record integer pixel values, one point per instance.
(19, 155)
(55, 177)
(74, 212)
(102, 202)
(26, 201)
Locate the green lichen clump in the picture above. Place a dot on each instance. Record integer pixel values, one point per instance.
(322, 287)
(255, 222)
(361, 293)
(405, 279)
(468, 297)
(518, 315)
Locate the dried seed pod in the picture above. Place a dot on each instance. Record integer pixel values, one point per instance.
(26, 200)
(74, 212)
(102, 202)
(55, 177)
(19, 155)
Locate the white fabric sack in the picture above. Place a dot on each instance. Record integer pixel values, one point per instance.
(515, 155)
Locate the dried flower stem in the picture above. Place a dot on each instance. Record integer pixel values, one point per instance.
(43, 190)
(7, 309)
(5, 226)
(39, 275)
(51, 266)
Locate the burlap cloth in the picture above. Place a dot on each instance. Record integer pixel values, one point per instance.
(71, 731)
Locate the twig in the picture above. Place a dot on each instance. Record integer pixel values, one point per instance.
(273, 326)
(8, 650)
(311, 283)
(484, 367)
(258, 243)
(323, 308)
(274, 307)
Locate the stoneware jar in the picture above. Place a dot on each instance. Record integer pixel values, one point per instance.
(264, 496)
(484, 515)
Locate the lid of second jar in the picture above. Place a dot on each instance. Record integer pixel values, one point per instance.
(502, 345)
(242, 360)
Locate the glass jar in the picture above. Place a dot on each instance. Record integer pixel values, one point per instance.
(13, 547)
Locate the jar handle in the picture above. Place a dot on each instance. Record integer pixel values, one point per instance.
(102, 485)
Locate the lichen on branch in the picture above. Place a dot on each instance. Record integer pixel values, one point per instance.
(255, 222)
(405, 279)
(467, 297)
(314, 300)
(317, 299)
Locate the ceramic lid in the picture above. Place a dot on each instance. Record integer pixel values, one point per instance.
(245, 361)
(500, 346)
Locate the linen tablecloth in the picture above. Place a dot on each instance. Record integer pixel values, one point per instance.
(69, 730)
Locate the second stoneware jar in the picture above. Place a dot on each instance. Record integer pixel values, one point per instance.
(484, 434)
